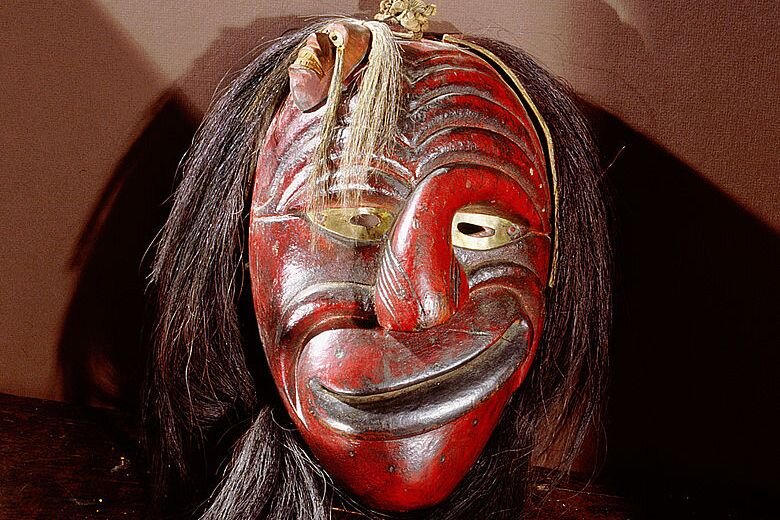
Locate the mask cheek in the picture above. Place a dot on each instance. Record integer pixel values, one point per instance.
(277, 252)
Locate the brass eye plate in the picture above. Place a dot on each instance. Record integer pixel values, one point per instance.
(346, 222)
(495, 231)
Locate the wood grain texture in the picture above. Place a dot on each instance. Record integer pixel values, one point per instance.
(64, 461)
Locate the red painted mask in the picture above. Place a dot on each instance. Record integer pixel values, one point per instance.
(397, 331)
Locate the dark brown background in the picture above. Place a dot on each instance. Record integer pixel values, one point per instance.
(100, 98)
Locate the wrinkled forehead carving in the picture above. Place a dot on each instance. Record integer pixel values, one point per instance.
(457, 110)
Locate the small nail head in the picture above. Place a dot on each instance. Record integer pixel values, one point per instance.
(336, 38)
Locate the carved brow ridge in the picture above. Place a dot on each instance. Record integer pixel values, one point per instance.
(388, 170)
(457, 159)
(415, 75)
(419, 134)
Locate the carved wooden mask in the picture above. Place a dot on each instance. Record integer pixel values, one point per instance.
(397, 331)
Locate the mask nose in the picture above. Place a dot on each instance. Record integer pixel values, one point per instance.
(418, 289)
(420, 283)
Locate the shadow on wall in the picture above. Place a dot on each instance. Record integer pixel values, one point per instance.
(694, 353)
(102, 348)
(104, 344)
(700, 77)
(695, 331)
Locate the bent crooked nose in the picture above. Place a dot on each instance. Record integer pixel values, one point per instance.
(418, 287)
(420, 283)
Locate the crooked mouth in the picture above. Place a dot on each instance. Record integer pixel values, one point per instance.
(415, 405)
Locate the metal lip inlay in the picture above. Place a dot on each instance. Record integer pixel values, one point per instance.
(428, 404)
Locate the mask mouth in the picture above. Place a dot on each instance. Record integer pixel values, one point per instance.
(375, 384)
(428, 404)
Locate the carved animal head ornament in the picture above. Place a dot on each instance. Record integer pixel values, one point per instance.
(357, 304)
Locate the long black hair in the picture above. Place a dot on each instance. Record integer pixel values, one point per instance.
(221, 446)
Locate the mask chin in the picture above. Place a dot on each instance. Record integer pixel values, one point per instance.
(399, 418)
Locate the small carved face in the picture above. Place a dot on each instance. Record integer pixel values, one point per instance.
(396, 331)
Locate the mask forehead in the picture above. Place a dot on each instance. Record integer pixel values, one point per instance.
(457, 110)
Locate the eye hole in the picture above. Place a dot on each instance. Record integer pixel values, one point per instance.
(365, 224)
(473, 230)
(480, 231)
(367, 220)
